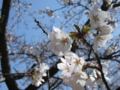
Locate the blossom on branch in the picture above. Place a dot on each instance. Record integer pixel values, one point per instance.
(60, 41)
(77, 64)
(65, 66)
(49, 12)
(72, 73)
(38, 73)
(106, 29)
(109, 1)
(98, 17)
(77, 80)
(90, 82)
(98, 78)
(101, 40)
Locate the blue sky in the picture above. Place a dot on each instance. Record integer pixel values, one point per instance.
(36, 5)
(32, 34)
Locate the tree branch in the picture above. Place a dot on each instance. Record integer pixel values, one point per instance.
(99, 63)
(5, 64)
(116, 5)
(53, 70)
(38, 24)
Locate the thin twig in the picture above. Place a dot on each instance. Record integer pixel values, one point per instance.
(58, 84)
(38, 23)
(99, 63)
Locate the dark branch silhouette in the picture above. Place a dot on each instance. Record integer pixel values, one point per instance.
(5, 64)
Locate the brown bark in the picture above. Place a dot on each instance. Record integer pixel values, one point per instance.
(5, 64)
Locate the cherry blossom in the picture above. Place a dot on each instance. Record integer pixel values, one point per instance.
(101, 40)
(77, 64)
(100, 81)
(38, 73)
(70, 56)
(106, 29)
(90, 81)
(36, 81)
(66, 1)
(115, 25)
(98, 17)
(104, 67)
(10, 37)
(1, 78)
(49, 12)
(111, 49)
(60, 41)
(78, 80)
(71, 63)
(65, 67)
(98, 78)
(72, 73)
(109, 1)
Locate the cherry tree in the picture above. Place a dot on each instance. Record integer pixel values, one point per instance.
(77, 47)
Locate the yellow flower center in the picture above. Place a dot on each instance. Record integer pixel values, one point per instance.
(64, 40)
(96, 18)
(77, 62)
(80, 75)
(99, 38)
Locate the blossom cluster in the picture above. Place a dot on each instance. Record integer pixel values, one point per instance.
(73, 67)
(38, 73)
(98, 21)
(72, 72)
(60, 41)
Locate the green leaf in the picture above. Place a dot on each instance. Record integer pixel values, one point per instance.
(33, 76)
(74, 35)
(86, 28)
(77, 27)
